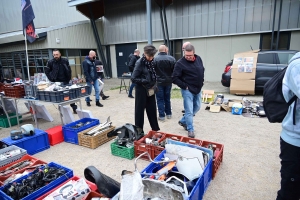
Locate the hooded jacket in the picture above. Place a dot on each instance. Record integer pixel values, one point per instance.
(189, 74)
(291, 86)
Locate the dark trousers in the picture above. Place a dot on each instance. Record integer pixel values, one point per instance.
(290, 172)
(142, 102)
(163, 98)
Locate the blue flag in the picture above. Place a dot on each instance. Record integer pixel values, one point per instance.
(27, 18)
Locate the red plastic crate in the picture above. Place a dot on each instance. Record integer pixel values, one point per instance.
(192, 141)
(91, 195)
(140, 146)
(218, 155)
(34, 161)
(156, 150)
(55, 135)
(92, 186)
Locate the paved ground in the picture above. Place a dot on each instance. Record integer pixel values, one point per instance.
(250, 168)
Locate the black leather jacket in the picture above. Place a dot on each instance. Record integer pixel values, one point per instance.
(141, 75)
(165, 66)
(89, 70)
(132, 62)
(52, 69)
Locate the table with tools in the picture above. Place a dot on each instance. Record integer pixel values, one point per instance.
(32, 106)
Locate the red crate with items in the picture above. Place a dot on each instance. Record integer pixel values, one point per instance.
(16, 91)
(218, 154)
(145, 144)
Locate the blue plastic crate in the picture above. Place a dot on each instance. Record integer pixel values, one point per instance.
(43, 190)
(70, 134)
(32, 144)
(202, 182)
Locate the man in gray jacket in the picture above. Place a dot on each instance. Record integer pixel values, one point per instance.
(290, 135)
(165, 65)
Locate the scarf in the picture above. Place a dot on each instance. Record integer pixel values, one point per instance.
(150, 67)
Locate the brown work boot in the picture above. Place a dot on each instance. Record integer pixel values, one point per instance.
(191, 134)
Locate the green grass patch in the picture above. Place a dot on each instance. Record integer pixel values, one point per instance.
(115, 88)
(176, 93)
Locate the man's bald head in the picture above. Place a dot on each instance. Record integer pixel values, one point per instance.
(92, 55)
(162, 48)
(136, 52)
(184, 45)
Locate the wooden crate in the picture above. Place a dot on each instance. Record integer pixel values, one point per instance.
(94, 141)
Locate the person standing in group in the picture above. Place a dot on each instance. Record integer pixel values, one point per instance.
(59, 70)
(165, 66)
(133, 58)
(91, 77)
(290, 135)
(100, 73)
(189, 76)
(144, 76)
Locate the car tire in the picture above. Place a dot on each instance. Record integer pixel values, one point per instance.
(106, 185)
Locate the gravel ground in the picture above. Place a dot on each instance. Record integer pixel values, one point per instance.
(250, 167)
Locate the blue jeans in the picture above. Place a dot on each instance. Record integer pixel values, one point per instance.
(163, 99)
(130, 89)
(96, 87)
(192, 104)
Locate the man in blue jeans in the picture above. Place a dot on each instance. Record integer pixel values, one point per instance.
(133, 58)
(189, 76)
(91, 77)
(165, 66)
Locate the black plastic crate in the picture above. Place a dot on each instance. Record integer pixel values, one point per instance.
(72, 93)
(41, 95)
(56, 96)
(77, 92)
(84, 90)
(47, 96)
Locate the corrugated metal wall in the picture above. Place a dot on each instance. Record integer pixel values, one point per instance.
(73, 37)
(45, 15)
(126, 22)
(21, 47)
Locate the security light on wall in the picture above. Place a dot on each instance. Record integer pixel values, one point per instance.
(57, 41)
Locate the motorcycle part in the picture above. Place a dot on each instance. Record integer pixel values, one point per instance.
(27, 129)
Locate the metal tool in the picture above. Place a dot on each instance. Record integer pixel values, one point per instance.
(96, 129)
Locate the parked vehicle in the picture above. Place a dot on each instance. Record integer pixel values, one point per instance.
(268, 64)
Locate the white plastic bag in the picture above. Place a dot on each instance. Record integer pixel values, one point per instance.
(131, 187)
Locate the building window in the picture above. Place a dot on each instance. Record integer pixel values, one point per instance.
(283, 43)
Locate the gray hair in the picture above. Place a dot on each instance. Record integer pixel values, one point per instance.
(189, 48)
(150, 50)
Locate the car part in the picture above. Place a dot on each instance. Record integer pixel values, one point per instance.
(27, 129)
(106, 185)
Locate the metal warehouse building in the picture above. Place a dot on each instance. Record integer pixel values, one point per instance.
(217, 28)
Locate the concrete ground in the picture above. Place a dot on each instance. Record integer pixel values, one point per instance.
(250, 167)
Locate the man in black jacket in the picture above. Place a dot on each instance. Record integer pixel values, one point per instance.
(165, 66)
(133, 59)
(59, 70)
(189, 76)
(91, 77)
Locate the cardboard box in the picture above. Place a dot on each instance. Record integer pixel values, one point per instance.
(244, 65)
(242, 87)
(215, 108)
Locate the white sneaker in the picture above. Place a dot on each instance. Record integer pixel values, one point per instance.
(169, 116)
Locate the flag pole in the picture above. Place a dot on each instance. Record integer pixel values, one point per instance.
(27, 62)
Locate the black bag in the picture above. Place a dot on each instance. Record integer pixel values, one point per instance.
(274, 103)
